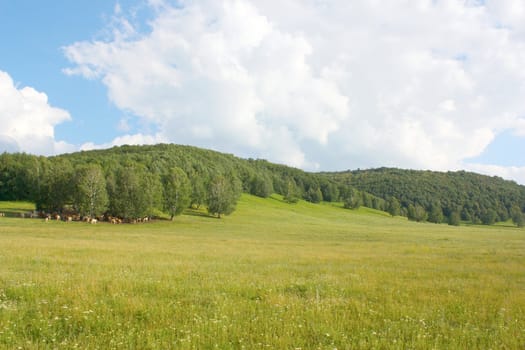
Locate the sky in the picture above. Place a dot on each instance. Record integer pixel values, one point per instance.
(323, 85)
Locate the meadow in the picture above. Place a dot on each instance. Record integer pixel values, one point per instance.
(270, 276)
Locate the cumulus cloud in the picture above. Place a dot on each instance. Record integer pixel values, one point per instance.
(28, 120)
(334, 85)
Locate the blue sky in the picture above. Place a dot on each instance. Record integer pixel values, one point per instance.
(33, 34)
(319, 85)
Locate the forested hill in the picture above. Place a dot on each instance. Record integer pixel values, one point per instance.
(475, 197)
(147, 177)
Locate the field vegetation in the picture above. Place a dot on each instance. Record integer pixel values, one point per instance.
(273, 275)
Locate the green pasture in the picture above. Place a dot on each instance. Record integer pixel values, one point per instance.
(270, 276)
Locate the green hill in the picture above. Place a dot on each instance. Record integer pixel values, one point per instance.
(477, 198)
(422, 195)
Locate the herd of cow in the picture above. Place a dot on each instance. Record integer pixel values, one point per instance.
(76, 217)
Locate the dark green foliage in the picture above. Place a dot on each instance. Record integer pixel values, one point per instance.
(136, 193)
(314, 194)
(393, 206)
(56, 184)
(49, 182)
(454, 218)
(475, 195)
(517, 216)
(223, 193)
(488, 216)
(351, 199)
(330, 191)
(435, 214)
(261, 185)
(416, 213)
(20, 176)
(380, 204)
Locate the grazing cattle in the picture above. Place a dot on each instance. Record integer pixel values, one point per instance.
(2, 214)
(69, 219)
(93, 221)
(57, 217)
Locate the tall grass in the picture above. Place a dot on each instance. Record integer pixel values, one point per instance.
(271, 276)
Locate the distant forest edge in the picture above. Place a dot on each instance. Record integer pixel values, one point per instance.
(130, 182)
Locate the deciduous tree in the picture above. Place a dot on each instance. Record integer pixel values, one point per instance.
(223, 194)
(393, 206)
(90, 193)
(177, 189)
(517, 216)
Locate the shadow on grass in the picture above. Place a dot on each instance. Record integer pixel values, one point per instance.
(281, 200)
(15, 212)
(199, 213)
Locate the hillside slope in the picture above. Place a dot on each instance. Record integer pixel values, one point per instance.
(473, 195)
(436, 196)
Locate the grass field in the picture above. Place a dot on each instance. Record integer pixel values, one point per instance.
(271, 276)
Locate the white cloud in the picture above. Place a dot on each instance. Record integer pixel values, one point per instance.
(509, 172)
(520, 127)
(135, 139)
(339, 84)
(28, 120)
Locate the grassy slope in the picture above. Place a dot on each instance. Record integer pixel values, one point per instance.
(272, 275)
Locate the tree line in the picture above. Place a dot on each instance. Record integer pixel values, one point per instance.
(138, 181)
(441, 196)
(126, 190)
(135, 181)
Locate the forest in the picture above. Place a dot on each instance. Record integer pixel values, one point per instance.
(131, 182)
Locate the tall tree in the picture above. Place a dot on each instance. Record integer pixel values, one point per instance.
(454, 218)
(152, 184)
(223, 194)
(177, 190)
(351, 198)
(329, 190)
(56, 185)
(435, 214)
(314, 194)
(393, 206)
(135, 193)
(198, 189)
(416, 213)
(261, 185)
(488, 216)
(292, 192)
(90, 194)
(517, 216)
